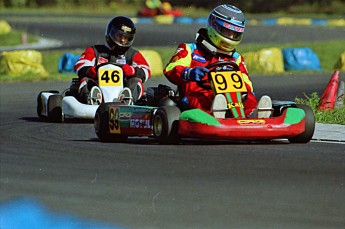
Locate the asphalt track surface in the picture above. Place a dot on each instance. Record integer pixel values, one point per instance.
(141, 184)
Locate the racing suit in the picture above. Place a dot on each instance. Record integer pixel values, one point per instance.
(190, 55)
(135, 75)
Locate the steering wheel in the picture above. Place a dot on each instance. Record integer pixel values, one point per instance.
(102, 64)
(205, 84)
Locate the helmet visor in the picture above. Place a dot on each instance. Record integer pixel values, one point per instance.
(121, 38)
(228, 30)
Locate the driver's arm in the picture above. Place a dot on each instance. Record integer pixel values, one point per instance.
(85, 66)
(179, 61)
(141, 67)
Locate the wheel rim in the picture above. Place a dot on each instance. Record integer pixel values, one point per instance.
(158, 126)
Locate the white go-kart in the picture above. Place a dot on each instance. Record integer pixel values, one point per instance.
(55, 107)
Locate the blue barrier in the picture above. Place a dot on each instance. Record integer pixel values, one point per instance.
(269, 21)
(183, 20)
(319, 22)
(67, 62)
(300, 59)
(201, 20)
(145, 20)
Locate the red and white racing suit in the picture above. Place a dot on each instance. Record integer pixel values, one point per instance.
(190, 55)
(135, 67)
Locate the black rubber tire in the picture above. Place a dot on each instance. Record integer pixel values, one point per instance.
(55, 109)
(307, 135)
(165, 125)
(101, 125)
(40, 104)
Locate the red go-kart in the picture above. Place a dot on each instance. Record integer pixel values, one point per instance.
(168, 123)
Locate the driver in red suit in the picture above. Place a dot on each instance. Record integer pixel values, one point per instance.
(217, 42)
(119, 36)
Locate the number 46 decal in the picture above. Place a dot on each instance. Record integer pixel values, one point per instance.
(110, 77)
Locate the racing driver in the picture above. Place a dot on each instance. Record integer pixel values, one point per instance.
(119, 37)
(216, 42)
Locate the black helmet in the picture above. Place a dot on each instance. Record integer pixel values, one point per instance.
(119, 34)
(225, 27)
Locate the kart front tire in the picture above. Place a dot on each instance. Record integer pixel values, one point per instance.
(309, 128)
(40, 104)
(165, 125)
(55, 109)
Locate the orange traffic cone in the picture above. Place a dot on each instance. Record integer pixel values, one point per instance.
(329, 96)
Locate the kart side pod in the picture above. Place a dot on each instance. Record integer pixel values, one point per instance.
(115, 121)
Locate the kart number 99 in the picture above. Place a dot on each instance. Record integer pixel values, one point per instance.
(228, 81)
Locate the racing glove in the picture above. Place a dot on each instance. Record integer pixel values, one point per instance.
(128, 70)
(91, 72)
(194, 74)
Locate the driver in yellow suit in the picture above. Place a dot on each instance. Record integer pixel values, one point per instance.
(153, 4)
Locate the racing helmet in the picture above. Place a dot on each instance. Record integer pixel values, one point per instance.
(225, 27)
(119, 34)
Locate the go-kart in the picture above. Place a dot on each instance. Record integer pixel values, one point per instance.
(164, 9)
(55, 107)
(168, 123)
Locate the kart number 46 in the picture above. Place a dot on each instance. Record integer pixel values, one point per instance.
(110, 77)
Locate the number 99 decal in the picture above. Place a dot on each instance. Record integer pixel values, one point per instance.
(229, 81)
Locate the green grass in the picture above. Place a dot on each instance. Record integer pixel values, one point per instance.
(15, 37)
(336, 116)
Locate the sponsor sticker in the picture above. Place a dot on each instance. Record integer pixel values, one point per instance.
(233, 105)
(102, 60)
(198, 58)
(247, 122)
(126, 28)
(139, 123)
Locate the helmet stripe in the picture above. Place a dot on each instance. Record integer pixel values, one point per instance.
(230, 26)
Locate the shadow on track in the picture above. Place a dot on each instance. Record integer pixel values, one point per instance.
(189, 141)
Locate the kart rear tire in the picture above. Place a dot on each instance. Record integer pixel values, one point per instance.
(165, 125)
(101, 124)
(308, 133)
(55, 109)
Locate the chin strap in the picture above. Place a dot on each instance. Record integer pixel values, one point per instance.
(201, 39)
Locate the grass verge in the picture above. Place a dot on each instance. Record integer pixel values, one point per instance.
(16, 37)
(336, 116)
